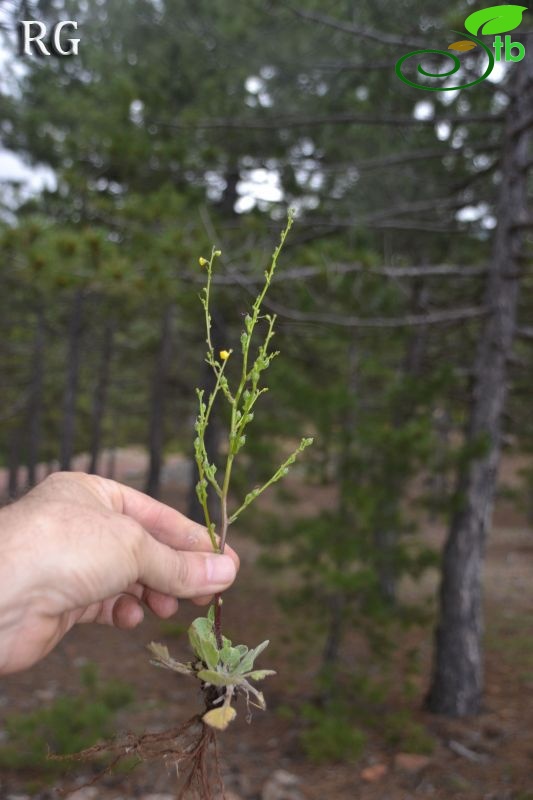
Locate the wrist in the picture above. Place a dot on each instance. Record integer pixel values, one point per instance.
(11, 582)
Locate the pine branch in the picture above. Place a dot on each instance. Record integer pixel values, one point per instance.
(406, 321)
(281, 121)
(525, 332)
(236, 276)
(356, 30)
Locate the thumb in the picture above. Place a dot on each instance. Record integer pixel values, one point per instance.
(183, 573)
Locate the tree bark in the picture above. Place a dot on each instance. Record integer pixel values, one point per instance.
(226, 204)
(332, 647)
(386, 540)
(74, 334)
(418, 340)
(157, 406)
(336, 601)
(457, 682)
(111, 467)
(100, 395)
(438, 482)
(35, 405)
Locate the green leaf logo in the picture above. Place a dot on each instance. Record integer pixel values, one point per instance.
(496, 19)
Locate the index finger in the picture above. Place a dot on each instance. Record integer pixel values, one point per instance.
(165, 523)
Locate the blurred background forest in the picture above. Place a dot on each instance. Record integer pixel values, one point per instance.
(405, 308)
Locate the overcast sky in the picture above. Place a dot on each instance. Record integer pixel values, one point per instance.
(12, 168)
(258, 187)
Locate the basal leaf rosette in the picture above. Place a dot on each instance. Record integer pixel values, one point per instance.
(225, 673)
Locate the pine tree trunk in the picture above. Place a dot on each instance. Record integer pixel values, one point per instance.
(330, 655)
(35, 405)
(157, 406)
(457, 683)
(417, 344)
(438, 482)
(100, 395)
(332, 649)
(111, 468)
(74, 335)
(386, 540)
(226, 205)
(337, 600)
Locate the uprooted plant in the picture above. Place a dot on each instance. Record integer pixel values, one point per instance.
(226, 672)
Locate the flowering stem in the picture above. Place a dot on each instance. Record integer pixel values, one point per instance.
(242, 402)
(221, 546)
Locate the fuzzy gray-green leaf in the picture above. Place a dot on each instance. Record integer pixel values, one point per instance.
(230, 656)
(216, 678)
(260, 674)
(203, 641)
(248, 661)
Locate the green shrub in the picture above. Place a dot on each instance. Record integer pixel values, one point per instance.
(402, 731)
(285, 712)
(330, 736)
(69, 724)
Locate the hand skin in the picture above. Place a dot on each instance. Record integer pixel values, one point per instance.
(80, 548)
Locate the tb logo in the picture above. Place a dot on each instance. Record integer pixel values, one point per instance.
(32, 40)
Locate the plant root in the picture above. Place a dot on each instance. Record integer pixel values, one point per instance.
(190, 748)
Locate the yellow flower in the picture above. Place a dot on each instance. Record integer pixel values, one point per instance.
(203, 262)
(224, 355)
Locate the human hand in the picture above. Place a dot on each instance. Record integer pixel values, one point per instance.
(80, 548)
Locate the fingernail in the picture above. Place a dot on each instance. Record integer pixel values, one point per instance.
(220, 569)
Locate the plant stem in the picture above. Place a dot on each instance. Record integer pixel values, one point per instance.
(218, 620)
(241, 404)
(222, 544)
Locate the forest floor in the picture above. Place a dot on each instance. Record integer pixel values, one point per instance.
(489, 757)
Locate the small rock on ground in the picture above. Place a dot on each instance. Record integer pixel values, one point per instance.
(85, 793)
(411, 762)
(282, 785)
(158, 797)
(374, 773)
